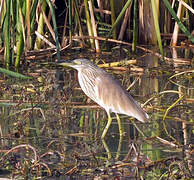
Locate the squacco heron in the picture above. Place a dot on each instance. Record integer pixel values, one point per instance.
(102, 88)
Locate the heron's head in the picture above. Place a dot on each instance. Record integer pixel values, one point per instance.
(77, 63)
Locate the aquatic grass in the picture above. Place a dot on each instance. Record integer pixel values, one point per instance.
(78, 21)
(34, 7)
(28, 23)
(161, 93)
(14, 74)
(20, 48)
(164, 117)
(156, 24)
(20, 32)
(7, 33)
(113, 18)
(178, 74)
(18, 24)
(135, 28)
(89, 23)
(55, 28)
(181, 25)
(126, 21)
(70, 20)
(40, 28)
(7, 104)
(94, 27)
(119, 18)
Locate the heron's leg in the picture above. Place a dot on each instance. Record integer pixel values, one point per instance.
(107, 149)
(107, 126)
(120, 125)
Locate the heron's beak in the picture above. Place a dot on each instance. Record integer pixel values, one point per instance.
(65, 63)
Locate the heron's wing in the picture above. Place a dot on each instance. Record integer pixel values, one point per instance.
(114, 98)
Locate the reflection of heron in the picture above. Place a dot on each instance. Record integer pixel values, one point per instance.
(102, 88)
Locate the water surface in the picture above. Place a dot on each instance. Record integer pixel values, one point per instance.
(49, 120)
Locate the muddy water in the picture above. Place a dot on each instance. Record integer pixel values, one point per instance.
(49, 120)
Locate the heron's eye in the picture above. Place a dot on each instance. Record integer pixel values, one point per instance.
(77, 62)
